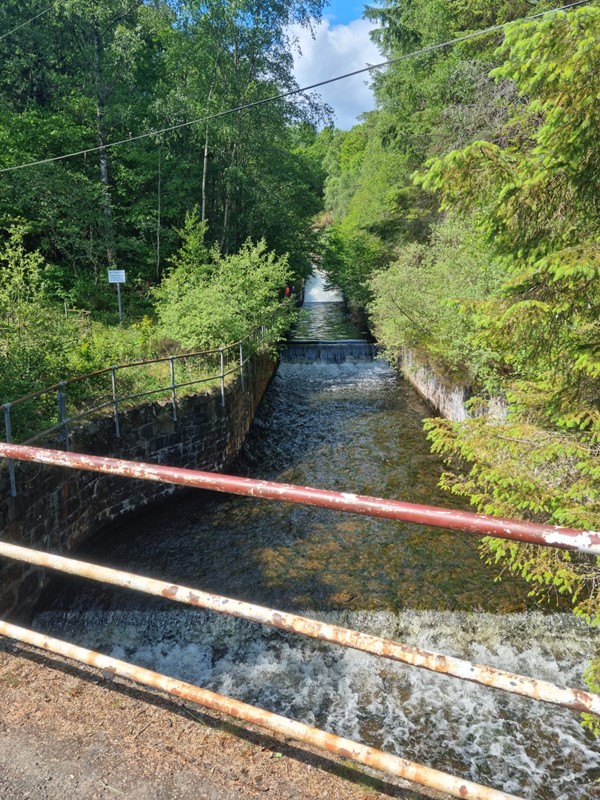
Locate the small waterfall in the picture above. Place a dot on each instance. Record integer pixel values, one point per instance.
(326, 332)
(315, 290)
(337, 351)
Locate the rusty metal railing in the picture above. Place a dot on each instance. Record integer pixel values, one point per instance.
(361, 753)
(573, 699)
(582, 541)
(587, 542)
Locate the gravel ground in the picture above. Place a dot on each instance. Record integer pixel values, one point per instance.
(67, 733)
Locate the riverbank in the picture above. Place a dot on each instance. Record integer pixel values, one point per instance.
(66, 732)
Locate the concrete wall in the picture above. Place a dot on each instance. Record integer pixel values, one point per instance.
(448, 398)
(57, 509)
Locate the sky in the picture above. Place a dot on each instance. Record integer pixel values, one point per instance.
(341, 44)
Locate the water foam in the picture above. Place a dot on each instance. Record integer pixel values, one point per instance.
(523, 747)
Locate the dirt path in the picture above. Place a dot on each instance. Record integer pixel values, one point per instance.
(67, 733)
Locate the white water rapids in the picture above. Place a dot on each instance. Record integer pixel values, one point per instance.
(523, 747)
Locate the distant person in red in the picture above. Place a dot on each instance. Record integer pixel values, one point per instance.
(287, 291)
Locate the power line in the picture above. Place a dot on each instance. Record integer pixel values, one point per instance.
(29, 21)
(283, 95)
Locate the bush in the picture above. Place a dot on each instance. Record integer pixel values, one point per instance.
(208, 300)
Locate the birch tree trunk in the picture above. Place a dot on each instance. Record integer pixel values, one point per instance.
(100, 91)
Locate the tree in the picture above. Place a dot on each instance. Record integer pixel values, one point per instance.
(95, 73)
(535, 198)
(208, 300)
(34, 338)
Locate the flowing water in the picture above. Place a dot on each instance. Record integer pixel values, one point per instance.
(357, 427)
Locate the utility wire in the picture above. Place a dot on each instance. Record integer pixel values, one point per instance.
(23, 24)
(255, 104)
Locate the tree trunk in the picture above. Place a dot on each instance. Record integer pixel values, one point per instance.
(158, 212)
(228, 195)
(107, 212)
(205, 161)
(204, 174)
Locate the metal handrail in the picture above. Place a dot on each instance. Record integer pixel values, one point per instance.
(511, 682)
(586, 542)
(105, 370)
(114, 400)
(300, 731)
(575, 699)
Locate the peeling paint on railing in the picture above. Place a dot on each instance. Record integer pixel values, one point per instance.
(587, 542)
(363, 754)
(574, 699)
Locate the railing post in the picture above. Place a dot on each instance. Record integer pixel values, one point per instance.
(11, 463)
(173, 387)
(113, 378)
(62, 414)
(222, 377)
(242, 365)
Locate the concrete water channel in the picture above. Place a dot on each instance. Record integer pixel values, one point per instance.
(353, 425)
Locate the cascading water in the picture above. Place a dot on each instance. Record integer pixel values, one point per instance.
(354, 427)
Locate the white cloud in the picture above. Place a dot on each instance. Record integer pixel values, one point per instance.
(335, 50)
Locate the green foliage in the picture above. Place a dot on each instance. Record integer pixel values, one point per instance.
(514, 468)
(534, 195)
(431, 297)
(21, 275)
(208, 300)
(35, 338)
(535, 198)
(427, 106)
(348, 258)
(90, 73)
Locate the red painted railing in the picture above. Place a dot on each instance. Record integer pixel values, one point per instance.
(517, 530)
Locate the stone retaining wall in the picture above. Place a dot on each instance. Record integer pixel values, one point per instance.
(448, 398)
(57, 509)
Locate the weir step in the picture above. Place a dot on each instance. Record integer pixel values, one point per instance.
(333, 351)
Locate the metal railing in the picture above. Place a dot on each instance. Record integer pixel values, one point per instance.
(574, 699)
(347, 748)
(586, 542)
(70, 398)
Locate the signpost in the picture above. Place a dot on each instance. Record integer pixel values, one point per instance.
(117, 276)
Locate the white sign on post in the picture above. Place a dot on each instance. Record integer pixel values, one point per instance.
(117, 276)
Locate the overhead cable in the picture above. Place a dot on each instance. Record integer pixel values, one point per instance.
(283, 95)
(29, 21)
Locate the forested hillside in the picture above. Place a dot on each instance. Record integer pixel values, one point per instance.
(86, 74)
(466, 217)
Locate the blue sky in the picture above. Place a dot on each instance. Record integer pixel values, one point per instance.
(342, 12)
(341, 43)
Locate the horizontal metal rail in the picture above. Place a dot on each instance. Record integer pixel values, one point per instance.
(363, 754)
(587, 542)
(165, 359)
(120, 367)
(574, 699)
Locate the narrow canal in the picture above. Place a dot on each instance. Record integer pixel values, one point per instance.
(353, 426)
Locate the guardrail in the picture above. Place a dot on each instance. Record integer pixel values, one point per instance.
(108, 387)
(586, 542)
(574, 699)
